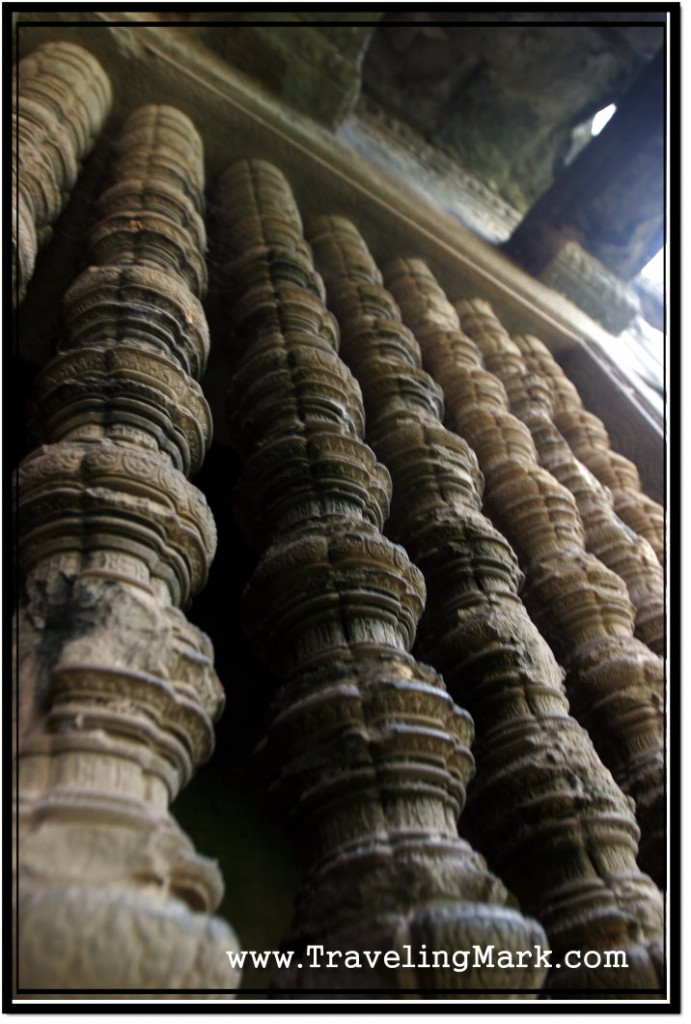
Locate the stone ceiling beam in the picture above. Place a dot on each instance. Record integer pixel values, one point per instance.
(610, 200)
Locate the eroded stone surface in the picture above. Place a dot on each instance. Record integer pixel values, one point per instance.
(540, 797)
(606, 535)
(61, 98)
(533, 84)
(581, 606)
(368, 752)
(117, 690)
(589, 440)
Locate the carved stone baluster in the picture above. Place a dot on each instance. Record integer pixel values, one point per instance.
(531, 400)
(615, 684)
(61, 97)
(117, 691)
(542, 807)
(588, 437)
(369, 753)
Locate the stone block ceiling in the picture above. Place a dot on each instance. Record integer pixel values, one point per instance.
(504, 92)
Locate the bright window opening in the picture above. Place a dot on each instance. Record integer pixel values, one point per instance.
(601, 118)
(654, 269)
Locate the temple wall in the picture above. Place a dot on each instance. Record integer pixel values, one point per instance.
(264, 463)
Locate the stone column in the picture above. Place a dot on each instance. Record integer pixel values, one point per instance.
(531, 400)
(369, 753)
(614, 683)
(60, 99)
(117, 690)
(589, 440)
(542, 808)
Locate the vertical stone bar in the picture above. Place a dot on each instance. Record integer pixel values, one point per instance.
(60, 99)
(615, 684)
(589, 440)
(117, 689)
(530, 398)
(542, 808)
(369, 753)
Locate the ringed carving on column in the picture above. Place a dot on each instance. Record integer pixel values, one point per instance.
(61, 97)
(541, 807)
(623, 551)
(615, 684)
(369, 753)
(588, 437)
(117, 689)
